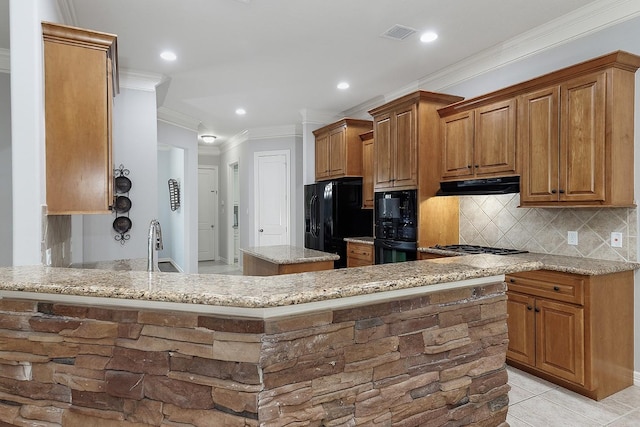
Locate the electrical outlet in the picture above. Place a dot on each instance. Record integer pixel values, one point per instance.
(572, 238)
(616, 239)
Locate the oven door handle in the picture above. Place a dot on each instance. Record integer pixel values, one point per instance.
(392, 244)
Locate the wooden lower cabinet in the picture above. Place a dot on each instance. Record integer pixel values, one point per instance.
(573, 330)
(359, 254)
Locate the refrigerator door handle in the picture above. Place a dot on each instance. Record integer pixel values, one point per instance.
(314, 219)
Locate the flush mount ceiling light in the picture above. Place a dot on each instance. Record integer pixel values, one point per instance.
(240, 111)
(168, 56)
(209, 139)
(343, 85)
(428, 37)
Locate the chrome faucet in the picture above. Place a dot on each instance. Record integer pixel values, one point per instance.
(154, 244)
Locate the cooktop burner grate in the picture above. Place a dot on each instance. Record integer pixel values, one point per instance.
(472, 249)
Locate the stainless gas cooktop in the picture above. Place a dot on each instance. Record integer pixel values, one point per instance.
(472, 249)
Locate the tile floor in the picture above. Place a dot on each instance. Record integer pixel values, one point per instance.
(218, 267)
(534, 402)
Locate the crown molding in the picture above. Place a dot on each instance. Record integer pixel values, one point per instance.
(318, 117)
(235, 141)
(67, 11)
(175, 118)
(275, 132)
(589, 19)
(139, 80)
(5, 61)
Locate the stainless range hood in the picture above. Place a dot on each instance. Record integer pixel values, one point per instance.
(478, 187)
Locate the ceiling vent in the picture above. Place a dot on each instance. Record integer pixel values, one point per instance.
(398, 32)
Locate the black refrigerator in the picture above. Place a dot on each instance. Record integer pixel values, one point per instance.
(333, 211)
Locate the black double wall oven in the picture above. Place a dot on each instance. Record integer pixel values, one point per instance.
(396, 226)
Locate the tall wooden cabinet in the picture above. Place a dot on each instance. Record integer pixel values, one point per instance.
(574, 330)
(406, 150)
(80, 68)
(338, 149)
(480, 142)
(367, 170)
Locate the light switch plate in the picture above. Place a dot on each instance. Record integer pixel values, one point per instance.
(616, 240)
(572, 238)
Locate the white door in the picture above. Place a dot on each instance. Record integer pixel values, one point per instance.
(272, 198)
(207, 213)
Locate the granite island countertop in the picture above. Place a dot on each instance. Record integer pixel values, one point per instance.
(249, 292)
(561, 263)
(285, 254)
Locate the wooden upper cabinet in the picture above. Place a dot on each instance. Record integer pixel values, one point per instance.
(480, 142)
(80, 76)
(406, 142)
(338, 149)
(367, 170)
(576, 139)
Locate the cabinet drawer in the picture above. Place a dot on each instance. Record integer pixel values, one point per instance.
(360, 251)
(549, 284)
(353, 262)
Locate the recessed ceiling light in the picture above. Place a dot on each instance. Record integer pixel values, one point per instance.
(428, 37)
(209, 139)
(241, 111)
(343, 85)
(168, 56)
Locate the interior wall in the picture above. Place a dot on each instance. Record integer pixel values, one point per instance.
(225, 217)
(183, 165)
(27, 125)
(246, 212)
(135, 147)
(164, 173)
(6, 214)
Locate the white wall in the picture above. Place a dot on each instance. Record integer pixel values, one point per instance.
(27, 125)
(6, 201)
(246, 212)
(183, 165)
(225, 217)
(134, 146)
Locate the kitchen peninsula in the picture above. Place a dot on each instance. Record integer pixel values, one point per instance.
(399, 344)
(284, 259)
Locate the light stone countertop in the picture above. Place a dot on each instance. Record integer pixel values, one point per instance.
(366, 240)
(257, 292)
(562, 263)
(285, 254)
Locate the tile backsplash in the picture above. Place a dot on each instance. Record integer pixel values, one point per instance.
(498, 221)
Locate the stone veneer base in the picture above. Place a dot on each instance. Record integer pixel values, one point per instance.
(431, 360)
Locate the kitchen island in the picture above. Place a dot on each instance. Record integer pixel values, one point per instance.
(415, 343)
(284, 259)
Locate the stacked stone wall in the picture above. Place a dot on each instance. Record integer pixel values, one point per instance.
(433, 360)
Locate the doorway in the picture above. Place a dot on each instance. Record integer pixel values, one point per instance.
(272, 195)
(207, 213)
(233, 235)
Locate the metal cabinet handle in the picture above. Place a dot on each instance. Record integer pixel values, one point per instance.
(553, 191)
(556, 288)
(529, 308)
(537, 310)
(512, 280)
(561, 191)
(260, 230)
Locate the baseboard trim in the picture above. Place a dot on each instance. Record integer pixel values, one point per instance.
(172, 262)
(636, 378)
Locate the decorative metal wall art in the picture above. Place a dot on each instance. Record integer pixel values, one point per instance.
(174, 194)
(122, 205)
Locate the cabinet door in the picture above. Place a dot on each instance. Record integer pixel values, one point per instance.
(337, 152)
(322, 157)
(582, 138)
(560, 339)
(495, 139)
(405, 142)
(77, 118)
(521, 326)
(457, 145)
(382, 153)
(538, 141)
(367, 173)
